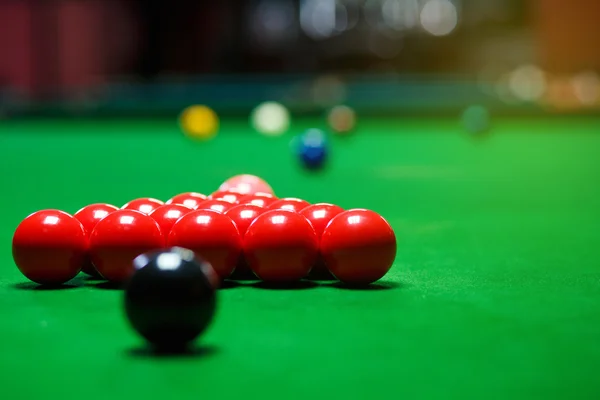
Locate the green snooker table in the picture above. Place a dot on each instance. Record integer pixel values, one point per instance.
(495, 292)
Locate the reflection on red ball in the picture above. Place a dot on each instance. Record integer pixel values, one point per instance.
(230, 196)
(189, 199)
(243, 215)
(215, 205)
(320, 214)
(258, 199)
(290, 204)
(145, 205)
(166, 216)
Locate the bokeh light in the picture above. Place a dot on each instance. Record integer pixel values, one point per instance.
(273, 22)
(439, 17)
(321, 19)
(400, 14)
(527, 83)
(586, 86)
(328, 90)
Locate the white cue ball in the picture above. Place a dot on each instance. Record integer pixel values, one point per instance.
(270, 118)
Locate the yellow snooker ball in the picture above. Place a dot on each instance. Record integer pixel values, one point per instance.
(199, 122)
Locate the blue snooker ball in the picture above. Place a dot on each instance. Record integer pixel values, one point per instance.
(312, 149)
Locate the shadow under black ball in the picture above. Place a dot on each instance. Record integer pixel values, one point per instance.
(171, 297)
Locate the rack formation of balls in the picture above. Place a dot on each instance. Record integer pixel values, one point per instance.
(243, 231)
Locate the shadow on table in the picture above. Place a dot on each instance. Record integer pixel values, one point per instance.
(232, 283)
(72, 284)
(200, 351)
(320, 275)
(310, 284)
(370, 287)
(89, 278)
(299, 285)
(107, 285)
(37, 286)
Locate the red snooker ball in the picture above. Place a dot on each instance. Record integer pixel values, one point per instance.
(281, 246)
(229, 196)
(290, 204)
(119, 238)
(243, 215)
(215, 205)
(189, 199)
(166, 216)
(49, 247)
(145, 205)
(246, 184)
(358, 246)
(210, 234)
(319, 216)
(258, 199)
(89, 217)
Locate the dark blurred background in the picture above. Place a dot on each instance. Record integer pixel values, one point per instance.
(156, 54)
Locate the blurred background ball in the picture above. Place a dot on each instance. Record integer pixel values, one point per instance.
(199, 122)
(341, 119)
(476, 119)
(270, 119)
(312, 149)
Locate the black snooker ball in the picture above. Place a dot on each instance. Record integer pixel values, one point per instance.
(171, 297)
